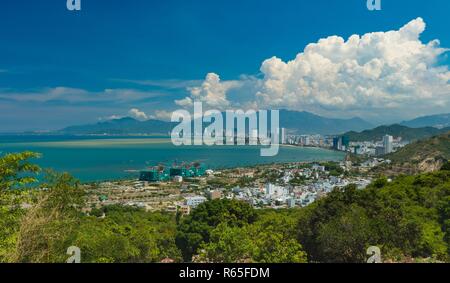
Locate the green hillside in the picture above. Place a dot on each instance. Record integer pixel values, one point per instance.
(410, 134)
(436, 148)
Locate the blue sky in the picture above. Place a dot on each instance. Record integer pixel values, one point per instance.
(60, 68)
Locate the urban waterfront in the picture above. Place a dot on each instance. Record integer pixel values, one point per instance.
(111, 158)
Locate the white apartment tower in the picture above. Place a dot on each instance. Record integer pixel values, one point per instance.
(283, 136)
(387, 144)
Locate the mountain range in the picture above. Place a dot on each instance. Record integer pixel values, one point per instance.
(436, 121)
(406, 133)
(122, 126)
(308, 123)
(294, 122)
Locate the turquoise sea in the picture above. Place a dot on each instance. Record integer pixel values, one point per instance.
(109, 158)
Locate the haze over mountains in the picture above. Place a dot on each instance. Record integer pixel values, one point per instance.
(295, 122)
(122, 126)
(437, 121)
(406, 133)
(308, 123)
(413, 130)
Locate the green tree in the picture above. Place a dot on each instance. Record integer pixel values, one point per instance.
(227, 245)
(127, 235)
(268, 240)
(48, 228)
(346, 238)
(407, 217)
(16, 172)
(274, 235)
(446, 166)
(195, 229)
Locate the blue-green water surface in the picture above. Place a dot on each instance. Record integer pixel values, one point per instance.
(110, 158)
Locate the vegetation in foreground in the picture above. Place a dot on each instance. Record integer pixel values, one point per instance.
(408, 218)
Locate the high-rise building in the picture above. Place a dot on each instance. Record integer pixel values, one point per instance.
(283, 136)
(337, 143)
(346, 141)
(387, 144)
(307, 141)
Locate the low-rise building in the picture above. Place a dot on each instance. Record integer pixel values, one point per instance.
(184, 209)
(195, 201)
(212, 195)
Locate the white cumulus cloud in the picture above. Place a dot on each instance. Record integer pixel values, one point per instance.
(212, 92)
(77, 95)
(375, 74)
(377, 70)
(162, 115)
(138, 114)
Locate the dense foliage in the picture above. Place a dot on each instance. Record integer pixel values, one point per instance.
(270, 239)
(127, 235)
(16, 172)
(39, 224)
(408, 217)
(196, 228)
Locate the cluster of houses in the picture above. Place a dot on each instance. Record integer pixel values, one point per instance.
(283, 194)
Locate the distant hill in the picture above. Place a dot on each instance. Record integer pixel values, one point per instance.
(308, 123)
(294, 122)
(410, 134)
(124, 126)
(437, 121)
(425, 155)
